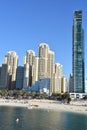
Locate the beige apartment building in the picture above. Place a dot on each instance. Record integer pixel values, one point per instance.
(30, 69)
(11, 60)
(46, 61)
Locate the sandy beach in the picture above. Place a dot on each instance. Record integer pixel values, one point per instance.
(74, 106)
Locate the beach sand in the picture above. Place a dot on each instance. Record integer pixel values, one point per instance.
(74, 106)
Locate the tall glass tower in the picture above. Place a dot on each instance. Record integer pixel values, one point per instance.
(78, 53)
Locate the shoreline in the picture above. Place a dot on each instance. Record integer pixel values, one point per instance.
(74, 106)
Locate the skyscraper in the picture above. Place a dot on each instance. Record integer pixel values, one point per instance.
(57, 79)
(30, 69)
(4, 76)
(43, 60)
(63, 84)
(46, 65)
(35, 70)
(46, 61)
(11, 59)
(70, 88)
(78, 53)
(19, 77)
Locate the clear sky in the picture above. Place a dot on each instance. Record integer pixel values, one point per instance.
(24, 24)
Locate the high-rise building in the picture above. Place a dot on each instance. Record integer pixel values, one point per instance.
(86, 86)
(11, 59)
(46, 61)
(57, 79)
(78, 53)
(63, 84)
(30, 69)
(29, 57)
(26, 76)
(50, 66)
(19, 77)
(4, 76)
(35, 70)
(70, 85)
(46, 64)
(43, 60)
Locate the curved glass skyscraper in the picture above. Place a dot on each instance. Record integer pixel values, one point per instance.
(78, 53)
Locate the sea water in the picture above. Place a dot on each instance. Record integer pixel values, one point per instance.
(38, 119)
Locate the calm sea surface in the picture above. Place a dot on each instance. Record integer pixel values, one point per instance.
(40, 119)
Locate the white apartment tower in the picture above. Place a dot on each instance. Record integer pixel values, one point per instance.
(11, 59)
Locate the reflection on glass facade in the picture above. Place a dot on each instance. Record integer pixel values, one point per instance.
(86, 86)
(78, 53)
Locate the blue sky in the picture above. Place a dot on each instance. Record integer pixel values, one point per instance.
(24, 24)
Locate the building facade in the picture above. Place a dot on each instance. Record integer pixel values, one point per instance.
(43, 60)
(86, 86)
(4, 77)
(78, 53)
(63, 84)
(56, 80)
(46, 61)
(35, 70)
(30, 69)
(46, 64)
(11, 59)
(71, 88)
(19, 77)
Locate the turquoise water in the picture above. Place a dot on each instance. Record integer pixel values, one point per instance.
(40, 119)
